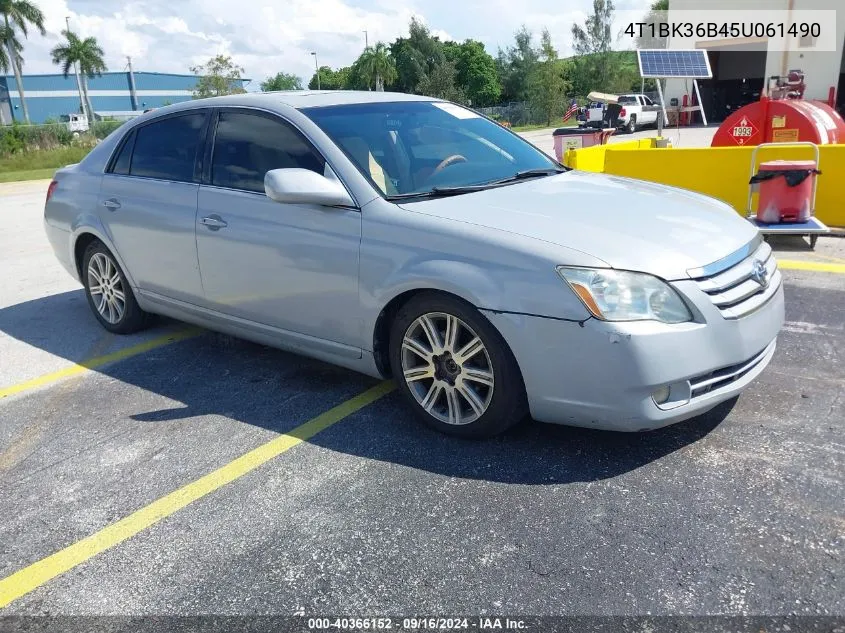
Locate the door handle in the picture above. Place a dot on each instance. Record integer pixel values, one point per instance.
(214, 222)
(111, 204)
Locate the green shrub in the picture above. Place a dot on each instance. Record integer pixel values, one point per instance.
(102, 129)
(18, 138)
(11, 140)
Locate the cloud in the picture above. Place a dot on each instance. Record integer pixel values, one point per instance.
(268, 36)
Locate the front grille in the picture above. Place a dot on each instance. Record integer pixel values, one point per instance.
(735, 291)
(723, 377)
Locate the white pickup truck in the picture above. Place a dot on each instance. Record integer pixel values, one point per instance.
(637, 111)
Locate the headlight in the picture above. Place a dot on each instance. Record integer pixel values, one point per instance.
(614, 295)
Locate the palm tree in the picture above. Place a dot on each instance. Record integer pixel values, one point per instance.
(377, 66)
(20, 14)
(9, 41)
(89, 57)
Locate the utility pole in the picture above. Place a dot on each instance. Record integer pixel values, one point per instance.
(366, 40)
(316, 69)
(133, 94)
(79, 81)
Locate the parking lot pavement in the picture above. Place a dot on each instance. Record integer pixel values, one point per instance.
(736, 512)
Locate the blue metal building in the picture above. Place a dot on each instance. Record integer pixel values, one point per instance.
(50, 96)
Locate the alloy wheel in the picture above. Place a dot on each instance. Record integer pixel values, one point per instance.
(106, 288)
(447, 368)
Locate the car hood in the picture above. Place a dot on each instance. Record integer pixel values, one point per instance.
(629, 224)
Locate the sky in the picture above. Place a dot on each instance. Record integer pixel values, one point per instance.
(268, 36)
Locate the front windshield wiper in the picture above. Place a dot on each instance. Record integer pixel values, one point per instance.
(442, 192)
(438, 192)
(531, 173)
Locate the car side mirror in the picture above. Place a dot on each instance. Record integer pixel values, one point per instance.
(303, 186)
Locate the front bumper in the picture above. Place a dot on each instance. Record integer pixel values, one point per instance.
(602, 375)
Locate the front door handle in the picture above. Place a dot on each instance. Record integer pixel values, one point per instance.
(214, 222)
(111, 204)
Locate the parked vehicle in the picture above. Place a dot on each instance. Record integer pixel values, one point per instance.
(76, 123)
(594, 114)
(637, 111)
(400, 235)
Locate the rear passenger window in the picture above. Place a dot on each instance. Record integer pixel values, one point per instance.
(247, 146)
(167, 149)
(121, 164)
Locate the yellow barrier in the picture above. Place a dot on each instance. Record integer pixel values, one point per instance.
(721, 172)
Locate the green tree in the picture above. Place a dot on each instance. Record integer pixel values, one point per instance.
(10, 43)
(594, 40)
(218, 76)
(376, 66)
(339, 79)
(441, 82)
(87, 55)
(516, 64)
(18, 14)
(282, 81)
(477, 76)
(655, 14)
(415, 56)
(547, 86)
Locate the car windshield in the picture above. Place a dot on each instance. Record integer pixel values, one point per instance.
(425, 147)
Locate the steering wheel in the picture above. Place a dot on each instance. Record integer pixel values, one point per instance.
(449, 160)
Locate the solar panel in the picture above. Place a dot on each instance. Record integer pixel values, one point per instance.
(674, 63)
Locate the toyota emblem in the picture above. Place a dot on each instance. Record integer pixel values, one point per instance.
(759, 273)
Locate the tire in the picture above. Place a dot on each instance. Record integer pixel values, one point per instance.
(477, 396)
(98, 264)
(632, 124)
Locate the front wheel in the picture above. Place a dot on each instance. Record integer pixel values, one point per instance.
(454, 368)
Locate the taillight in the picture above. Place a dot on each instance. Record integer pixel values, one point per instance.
(50, 190)
(622, 112)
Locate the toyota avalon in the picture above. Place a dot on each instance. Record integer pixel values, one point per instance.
(398, 235)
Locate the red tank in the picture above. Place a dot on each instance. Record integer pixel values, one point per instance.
(781, 121)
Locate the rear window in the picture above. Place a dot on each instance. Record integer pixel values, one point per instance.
(627, 100)
(167, 149)
(121, 163)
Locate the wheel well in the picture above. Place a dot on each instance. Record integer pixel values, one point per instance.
(82, 242)
(381, 334)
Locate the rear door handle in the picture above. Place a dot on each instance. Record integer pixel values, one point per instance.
(214, 222)
(111, 204)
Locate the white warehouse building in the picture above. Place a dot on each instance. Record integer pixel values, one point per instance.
(740, 74)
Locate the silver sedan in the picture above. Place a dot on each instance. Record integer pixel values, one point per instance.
(403, 236)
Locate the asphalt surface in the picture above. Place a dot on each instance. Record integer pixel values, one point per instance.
(737, 512)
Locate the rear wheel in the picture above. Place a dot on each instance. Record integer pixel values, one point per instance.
(108, 292)
(632, 124)
(454, 368)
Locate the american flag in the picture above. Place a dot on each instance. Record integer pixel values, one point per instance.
(573, 108)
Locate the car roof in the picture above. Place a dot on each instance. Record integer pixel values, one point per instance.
(310, 98)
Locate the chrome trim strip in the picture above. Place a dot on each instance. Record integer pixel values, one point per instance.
(723, 303)
(733, 316)
(714, 289)
(714, 268)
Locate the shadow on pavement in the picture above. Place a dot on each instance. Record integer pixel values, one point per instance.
(789, 243)
(252, 384)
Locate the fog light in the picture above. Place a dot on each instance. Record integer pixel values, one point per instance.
(661, 395)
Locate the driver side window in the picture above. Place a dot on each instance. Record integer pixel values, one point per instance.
(247, 146)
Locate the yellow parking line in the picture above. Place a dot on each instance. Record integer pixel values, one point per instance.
(819, 267)
(30, 578)
(99, 361)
